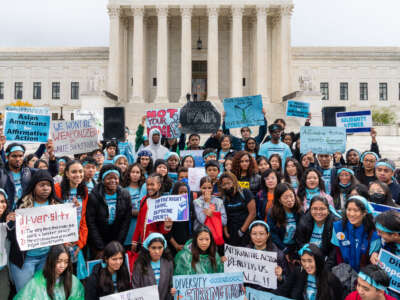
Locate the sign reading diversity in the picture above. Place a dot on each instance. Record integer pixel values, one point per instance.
(199, 117)
(166, 120)
(391, 264)
(297, 109)
(243, 111)
(197, 156)
(218, 286)
(258, 267)
(355, 121)
(73, 137)
(27, 124)
(253, 294)
(322, 140)
(175, 207)
(146, 293)
(46, 226)
(194, 177)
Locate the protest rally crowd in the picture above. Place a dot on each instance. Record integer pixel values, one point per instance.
(327, 217)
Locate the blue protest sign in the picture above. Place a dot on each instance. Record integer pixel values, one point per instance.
(355, 121)
(297, 109)
(26, 127)
(253, 294)
(218, 286)
(175, 207)
(322, 140)
(379, 208)
(197, 156)
(391, 264)
(243, 111)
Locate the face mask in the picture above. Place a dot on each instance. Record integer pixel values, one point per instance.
(230, 191)
(377, 198)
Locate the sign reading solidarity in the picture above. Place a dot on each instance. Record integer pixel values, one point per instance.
(175, 207)
(355, 121)
(166, 120)
(243, 111)
(298, 109)
(146, 293)
(199, 117)
(322, 140)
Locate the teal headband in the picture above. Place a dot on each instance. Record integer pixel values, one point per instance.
(370, 281)
(62, 160)
(380, 227)
(170, 154)
(88, 163)
(4, 193)
(15, 148)
(345, 170)
(152, 236)
(364, 201)
(369, 152)
(260, 223)
(109, 172)
(384, 164)
(305, 248)
(118, 157)
(334, 211)
(210, 154)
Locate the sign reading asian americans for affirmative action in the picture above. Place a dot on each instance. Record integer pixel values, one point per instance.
(175, 207)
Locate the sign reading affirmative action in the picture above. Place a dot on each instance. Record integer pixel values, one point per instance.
(355, 121)
(165, 119)
(322, 140)
(243, 111)
(175, 207)
(258, 267)
(46, 226)
(146, 293)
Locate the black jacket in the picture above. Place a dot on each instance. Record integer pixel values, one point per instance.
(100, 232)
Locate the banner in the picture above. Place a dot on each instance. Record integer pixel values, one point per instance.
(46, 226)
(258, 267)
(194, 177)
(298, 109)
(175, 207)
(27, 124)
(391, 264)
(355, 121)
(218, 286)
(166, 120)
(197, 156)
(74, 137)
(322, 140)
(253, 294)
(146, 293)
(243, 111)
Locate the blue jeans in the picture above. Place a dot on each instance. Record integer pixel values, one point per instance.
(31, 265)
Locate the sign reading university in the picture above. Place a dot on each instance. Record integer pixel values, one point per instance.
(27, 124)
(199, 117)
(322, 140)
(243, 111)
(355, 121)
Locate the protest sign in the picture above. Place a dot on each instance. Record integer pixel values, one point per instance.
(175, 207)
(379, 208)
(391, 264)
(165, 119)
(46, 226)
(96, 116)
(218, 286)
(322, 140)
(27, 124)
(199, 117)
(355, 121)
(243, 111)
(146, 293)
(197, 156)
(73, 137)
(258, 267)
(253, 294)
(194, 176)
(298, 109)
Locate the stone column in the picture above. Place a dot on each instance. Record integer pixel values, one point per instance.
(162, 55)
(286, 57)
(261, 52)
(114, 54)
(212, 55)
(237, 52)
(186, 53)
(138, 55)
(276, 60)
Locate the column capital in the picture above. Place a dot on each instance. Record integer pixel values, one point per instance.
(213, 11)
(186, 11)
(275, 20)
(137, 11)
(287, 10)
(237, 11)
(262, 11)
(114, 11)
(162, 11)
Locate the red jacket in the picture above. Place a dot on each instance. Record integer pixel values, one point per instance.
(83, 230)
(143, 230)
(356, 296)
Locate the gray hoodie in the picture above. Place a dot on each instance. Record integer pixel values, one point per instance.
(157, 150)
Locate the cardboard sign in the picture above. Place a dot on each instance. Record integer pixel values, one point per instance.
(194, 177)
(243, 111)
(27, 124)
(74, 137)
(146, 293)
(197, 156)
(258, 267)
(391, 264)
(253, 294)
(322, 140)
(175, 207)
(199, 117)
(218, 286)
(166, 120)
(46, 226)
(355, 121)
(297, 109)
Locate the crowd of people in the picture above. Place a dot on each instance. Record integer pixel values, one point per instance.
(314, 210)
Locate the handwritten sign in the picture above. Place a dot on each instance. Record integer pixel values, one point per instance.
(243, 111)
(219, 286)
(391, 264)
(73, 137)
(146, 293)
(175, 207)
(258, 267)
(197, 156)
(199, 117)
(253, 294)
(27, 124)
(297, 109)
(166, 120)
(46, 226)
(322, 140)
(355, 121)
(194, 177)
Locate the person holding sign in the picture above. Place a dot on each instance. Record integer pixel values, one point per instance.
(275, 145)
(5, 217)
(56, 281)
(154, 266)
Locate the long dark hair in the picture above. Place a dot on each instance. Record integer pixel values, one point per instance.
(127, 180)
(149, 168)
(388, 194)
(105, 278)
(337, 189)
(265, 175)
(211, 251)
(143, 261)
(279, 159)
(246, 147)
(301, 192)
(6, 211)
(368, 220)
(49, 271)
(28, 158)
(65, 183)
(237, 170)
(277, 210)
(299, 170)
